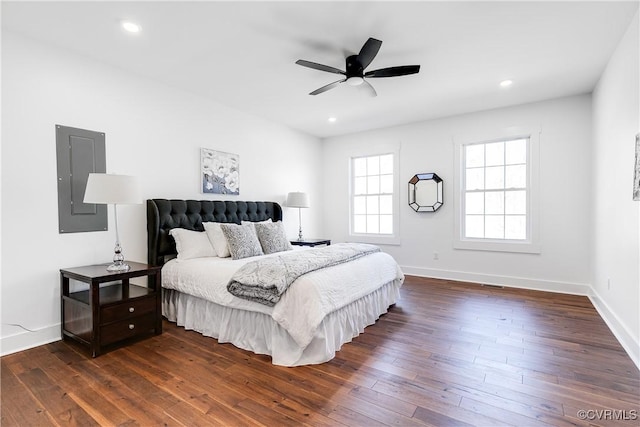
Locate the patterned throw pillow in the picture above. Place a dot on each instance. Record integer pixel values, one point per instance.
(242, 239)
(272, 237)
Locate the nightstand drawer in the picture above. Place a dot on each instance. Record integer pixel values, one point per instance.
(127, 310)
(127, 328)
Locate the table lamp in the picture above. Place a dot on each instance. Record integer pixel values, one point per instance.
(115, 190)
(298, 200)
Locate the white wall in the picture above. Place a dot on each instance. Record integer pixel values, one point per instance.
(152, 131)
(616, 227)
(565, 201)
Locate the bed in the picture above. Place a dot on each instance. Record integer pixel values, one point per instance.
(320, 311)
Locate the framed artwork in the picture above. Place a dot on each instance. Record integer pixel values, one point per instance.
(220, 172)
(636, 172)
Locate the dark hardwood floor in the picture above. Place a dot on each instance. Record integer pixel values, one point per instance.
(448, 354)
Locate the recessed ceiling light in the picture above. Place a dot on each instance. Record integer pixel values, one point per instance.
(131, 27)
(332, 119)
(506, 83)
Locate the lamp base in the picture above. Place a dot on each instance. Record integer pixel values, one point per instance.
(119, 266)
(118, 259)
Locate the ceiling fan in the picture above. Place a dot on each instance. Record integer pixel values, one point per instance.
(355, 65)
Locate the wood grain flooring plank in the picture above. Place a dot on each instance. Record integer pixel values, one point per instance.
(60, 406)
(18, 405)
(512, 418)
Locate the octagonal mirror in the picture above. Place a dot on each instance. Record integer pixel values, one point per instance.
(425, 192)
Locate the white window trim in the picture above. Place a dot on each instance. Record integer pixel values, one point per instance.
(376, 150)
(532, 244)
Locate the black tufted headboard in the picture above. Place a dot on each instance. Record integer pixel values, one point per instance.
(163, 215)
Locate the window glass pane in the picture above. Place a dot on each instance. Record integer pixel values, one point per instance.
(494, 202)
(474, 155)
(474, 226)
(516, 151)
(494, 227)
(359, 223)
(516, 202)
(373, 165)
(360, 166)
(475, 179)
(494, 154)
(474, 203)
(373, 224)
(386, 224)
(360, 185)
(386, 163)
(386, 184)
(373, 184)
(359, 205)
(516, 176)
(494, 177)
(515, 227)
(372, 205)
(386, 205)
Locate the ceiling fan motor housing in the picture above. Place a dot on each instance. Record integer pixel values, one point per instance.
(354, 67)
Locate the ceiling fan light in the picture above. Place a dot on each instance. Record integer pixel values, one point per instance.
(355, 81)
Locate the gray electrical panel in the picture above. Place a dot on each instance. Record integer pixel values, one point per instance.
(79, 153)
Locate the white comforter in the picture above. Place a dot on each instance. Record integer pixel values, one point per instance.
(307, 301)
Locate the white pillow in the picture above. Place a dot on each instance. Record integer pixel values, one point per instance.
(217, 239)
(242, 239)
(191, 244)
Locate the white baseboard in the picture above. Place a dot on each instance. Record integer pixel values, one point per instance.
(506, 281)
(628, 342)
(626, 339)
(25, 340)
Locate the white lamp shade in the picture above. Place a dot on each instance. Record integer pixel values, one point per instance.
(298, 200)
(105, 189)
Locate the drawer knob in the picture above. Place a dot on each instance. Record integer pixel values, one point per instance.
(131, 326)
(131, 309)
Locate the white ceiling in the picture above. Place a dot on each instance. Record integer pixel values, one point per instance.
(242, 54)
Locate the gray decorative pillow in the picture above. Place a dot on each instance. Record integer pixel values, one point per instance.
(242, 239)
(272, 237)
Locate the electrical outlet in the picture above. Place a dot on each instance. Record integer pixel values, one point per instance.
(436, 256)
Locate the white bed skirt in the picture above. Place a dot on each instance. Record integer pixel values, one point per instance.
(259, 333)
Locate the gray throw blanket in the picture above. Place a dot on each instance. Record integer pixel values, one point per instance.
(266, 279)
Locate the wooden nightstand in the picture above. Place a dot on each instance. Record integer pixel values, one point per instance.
(311, 242)
(103, 316)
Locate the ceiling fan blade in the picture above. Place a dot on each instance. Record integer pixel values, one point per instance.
(327, 87)
(320, 67)
(402, 70)
(369, 51)
(367, 86)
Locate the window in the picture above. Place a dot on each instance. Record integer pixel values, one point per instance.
(495, 190)
(372, 195)
(495, 196)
